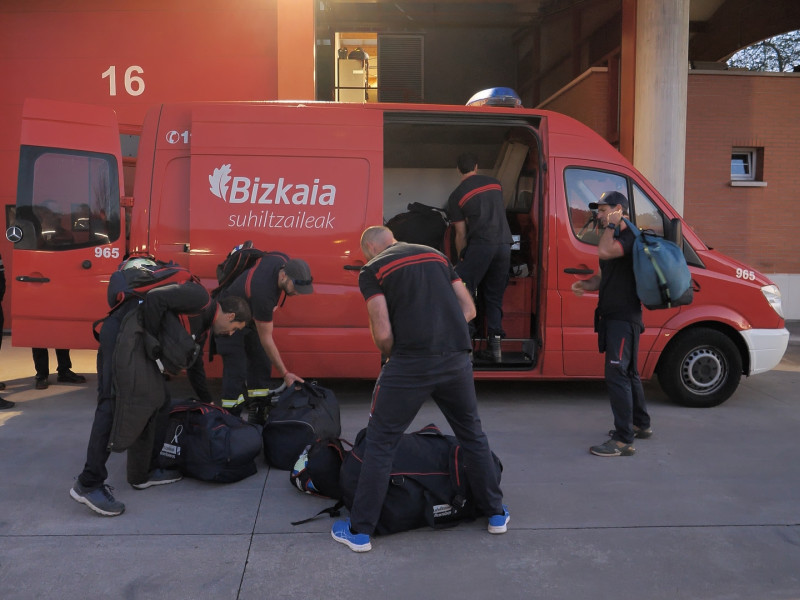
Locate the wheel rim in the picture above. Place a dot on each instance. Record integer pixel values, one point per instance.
(704, 371)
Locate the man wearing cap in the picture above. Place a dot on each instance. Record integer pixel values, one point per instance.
(618, 322)
(249, 355)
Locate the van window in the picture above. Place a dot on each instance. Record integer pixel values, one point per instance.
(646, 213)
(66, 199)
(584, 186)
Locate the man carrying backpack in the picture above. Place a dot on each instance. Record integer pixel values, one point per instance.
(618, 322)
(189, 300)
(249, 355)
(418, 313)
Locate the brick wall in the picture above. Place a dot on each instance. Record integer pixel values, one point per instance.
(587, 100)
(758, 225)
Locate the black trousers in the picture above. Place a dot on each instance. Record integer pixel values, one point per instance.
(143, 454)
(245, 364)
(484, 269)
(41, 361)
(402, 387)
(622, 378)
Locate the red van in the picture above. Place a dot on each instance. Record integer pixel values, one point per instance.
(307, 178)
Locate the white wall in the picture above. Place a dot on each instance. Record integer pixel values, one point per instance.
(789, 284)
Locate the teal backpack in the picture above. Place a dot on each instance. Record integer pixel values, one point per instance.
(662, 276)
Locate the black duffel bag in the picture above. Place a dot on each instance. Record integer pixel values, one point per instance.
(428, 483)
(303, 413)
(209, 443)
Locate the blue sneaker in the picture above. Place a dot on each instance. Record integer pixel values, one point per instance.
(357, 542)
(499, 523)
(100, 499)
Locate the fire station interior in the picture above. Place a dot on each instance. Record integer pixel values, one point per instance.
(420, 167)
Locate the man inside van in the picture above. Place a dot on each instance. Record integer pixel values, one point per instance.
(418, 312)
(618, 322)
(483, 243)
(247, 356)
(190, 300)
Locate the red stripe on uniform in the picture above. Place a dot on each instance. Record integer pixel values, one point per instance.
(480, 190)
(416, 259)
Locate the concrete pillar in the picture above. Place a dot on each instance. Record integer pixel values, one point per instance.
(662, 70)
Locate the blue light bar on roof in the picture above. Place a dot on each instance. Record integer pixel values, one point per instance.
(499, 96)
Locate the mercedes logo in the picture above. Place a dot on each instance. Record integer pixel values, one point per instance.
(14, 234)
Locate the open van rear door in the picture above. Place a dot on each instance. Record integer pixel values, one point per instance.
(67, 229)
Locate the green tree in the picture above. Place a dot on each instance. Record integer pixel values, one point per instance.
(779, 54)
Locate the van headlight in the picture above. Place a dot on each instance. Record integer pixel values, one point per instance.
(773, 296)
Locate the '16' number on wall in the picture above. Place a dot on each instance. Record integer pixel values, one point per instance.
(134, 85)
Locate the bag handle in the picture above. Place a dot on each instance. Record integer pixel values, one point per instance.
(312, 391)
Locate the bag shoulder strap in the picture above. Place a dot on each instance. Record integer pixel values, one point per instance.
(333, 511)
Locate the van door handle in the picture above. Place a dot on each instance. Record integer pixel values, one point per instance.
(573, 271)
(353, 267)
(28, 279)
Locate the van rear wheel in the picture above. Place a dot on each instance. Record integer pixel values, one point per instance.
(701, 368)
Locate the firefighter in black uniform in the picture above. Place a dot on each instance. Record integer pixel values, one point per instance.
(618, 322)
(418, 312)
(483, 242)
(189, 299)
(249, 355)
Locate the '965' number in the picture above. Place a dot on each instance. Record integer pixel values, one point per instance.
(745, 274)
(106, 252)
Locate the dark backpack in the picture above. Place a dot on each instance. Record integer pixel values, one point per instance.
(316, 471)
(662, 276)
(209, 443)
(136, 276)
(428, 484)
(304, 413)
(422, 224)
(239, 260)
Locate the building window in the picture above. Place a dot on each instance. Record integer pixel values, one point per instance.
(747, 167)
(743, 164)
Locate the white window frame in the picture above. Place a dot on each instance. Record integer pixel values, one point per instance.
(750, 164)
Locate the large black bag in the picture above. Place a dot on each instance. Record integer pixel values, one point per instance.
(209, 443)
(317, 469)
(304, 413)
(422, 224)
(428, 484)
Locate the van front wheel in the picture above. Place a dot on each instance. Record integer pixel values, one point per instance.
(700, 369)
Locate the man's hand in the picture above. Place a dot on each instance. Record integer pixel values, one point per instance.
(586, 285)
(290, 379)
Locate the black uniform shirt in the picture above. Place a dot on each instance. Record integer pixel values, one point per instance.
(618, 299)
(259, 286)
(479, 200)
(424, 312)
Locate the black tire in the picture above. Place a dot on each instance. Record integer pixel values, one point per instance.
(701, 368)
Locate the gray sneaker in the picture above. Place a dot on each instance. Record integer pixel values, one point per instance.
(613, 448)
(159, 477)
(100, 499)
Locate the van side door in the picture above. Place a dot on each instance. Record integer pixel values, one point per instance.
(67, 228)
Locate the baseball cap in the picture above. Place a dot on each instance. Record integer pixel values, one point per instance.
(300, 273)
(612, 199)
